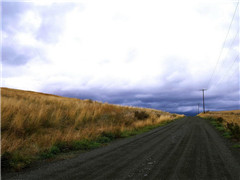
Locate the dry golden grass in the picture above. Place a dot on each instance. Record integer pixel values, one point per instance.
(32, 122)
(228, 116)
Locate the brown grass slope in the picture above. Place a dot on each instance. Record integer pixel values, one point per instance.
(32, 122)
(232, 116)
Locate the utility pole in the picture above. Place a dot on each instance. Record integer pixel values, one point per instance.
(198, 108)
(203, 99)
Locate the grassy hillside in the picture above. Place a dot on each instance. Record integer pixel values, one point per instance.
(36, 124)
(228, 122)
(228, 116)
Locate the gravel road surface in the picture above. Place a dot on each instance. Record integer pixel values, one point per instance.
(189, 148)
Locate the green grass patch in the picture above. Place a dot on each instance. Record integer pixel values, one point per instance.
(234, 129)
(103, 140)
(227, 134)
(236, 145)
(128, 133)
(220, 128)
(62, 147)
(85, 144)
(215, 123)
(110, 135)
(231, 130)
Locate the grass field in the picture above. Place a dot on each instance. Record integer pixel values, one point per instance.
(36, 124)
(228, 122)
(228, 116)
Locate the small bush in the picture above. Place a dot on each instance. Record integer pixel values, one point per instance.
(125, 134)
(227, 134)
(215, 123)
(46, 155)
(54, 150)
(109, 135)
(63, 146)
(230, 126)
(210, 118)
(5, 158)
(234, 129)
(85, 145)
(50, 153)
(103, 140)
(89, 100)
(236, 145)
(220, 128)
(14, 160)
(141, 115)
(219, 119)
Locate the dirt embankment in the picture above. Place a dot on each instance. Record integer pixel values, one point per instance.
(189, 148)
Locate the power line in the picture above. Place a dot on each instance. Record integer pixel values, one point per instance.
(223, 45)
(229, 69)
(236, 36)
(233, 72)
(230, 47)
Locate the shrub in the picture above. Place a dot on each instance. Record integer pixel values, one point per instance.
(85, 145)
(230, 126)
(219, 119)
(210, 118)
(89, 100)
(14, 160)
(236, 145)
(5, 160)
(63, 146)
(103, 139)
(220, 128)
(54, 150)
(234, 129)
(46, 155)
(109, 135)
(141, 115)
(227, 134)
(50, 153)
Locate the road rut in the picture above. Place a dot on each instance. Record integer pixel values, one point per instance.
(189, 148)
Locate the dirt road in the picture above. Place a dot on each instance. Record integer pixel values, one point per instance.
(188, 148)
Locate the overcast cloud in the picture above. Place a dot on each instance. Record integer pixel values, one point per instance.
(155, 54)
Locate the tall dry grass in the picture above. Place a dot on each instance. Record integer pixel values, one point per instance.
(32, 122)
(228, 116)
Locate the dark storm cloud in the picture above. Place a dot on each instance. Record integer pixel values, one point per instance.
(177, 101)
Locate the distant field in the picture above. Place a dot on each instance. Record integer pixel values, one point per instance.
(32, 123)
(228, 116)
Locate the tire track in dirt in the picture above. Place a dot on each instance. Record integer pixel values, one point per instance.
(131, 152)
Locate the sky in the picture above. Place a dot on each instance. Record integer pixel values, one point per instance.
(144, 53)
